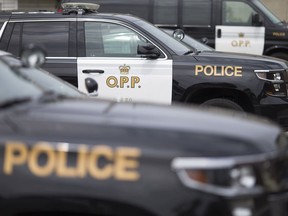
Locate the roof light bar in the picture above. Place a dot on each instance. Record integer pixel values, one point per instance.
(80, 6)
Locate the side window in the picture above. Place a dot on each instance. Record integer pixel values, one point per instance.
(111, 40)
(14, 42)
(197, 12)
(237, 13)
(53, 36)
(165, 12)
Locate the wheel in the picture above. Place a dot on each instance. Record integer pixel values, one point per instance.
(280, 55)
(223, 103)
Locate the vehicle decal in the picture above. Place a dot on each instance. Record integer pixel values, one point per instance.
(128, 80)
(218, 71)
(100, 162)
(279, 34)
(123, 81)
(240, 39)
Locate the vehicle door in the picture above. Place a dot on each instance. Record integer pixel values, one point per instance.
(110, 57)
(240, 30)
(56, 36)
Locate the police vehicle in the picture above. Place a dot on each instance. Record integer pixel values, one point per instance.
(242, 26)
(132, 60)
(64, 154)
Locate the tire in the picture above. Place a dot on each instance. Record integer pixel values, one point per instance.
(223, 103)
(280, 55)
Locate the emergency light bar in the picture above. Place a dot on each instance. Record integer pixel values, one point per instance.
(71, 5)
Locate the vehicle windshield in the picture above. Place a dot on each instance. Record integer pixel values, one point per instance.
(49, 83)
(17, 82)
(267, 12)
(193, 43)
(196, 44)
(14, 87)
(171, 42)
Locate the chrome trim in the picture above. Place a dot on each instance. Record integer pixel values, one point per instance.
(270, 71)
(61, 58)
(203, 163)
(230, 192)
(123, 24)
(119, 58)
(277, 81)
(3, 28)
(165, 25)
(180, 163)
(44, 20)
(198, 26)
(18, 12)
(41, 12)
(272, 81)
(174, 25)
(33, 12)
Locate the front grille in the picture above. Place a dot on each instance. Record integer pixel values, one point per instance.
(274, 174)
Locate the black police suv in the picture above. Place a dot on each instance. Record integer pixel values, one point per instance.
(132, 60)
(242, 26)
(65, 154)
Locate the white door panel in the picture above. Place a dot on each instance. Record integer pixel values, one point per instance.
(241, 39)
(129, 80)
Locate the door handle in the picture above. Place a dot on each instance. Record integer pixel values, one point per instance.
(93, 71)
(219, 33)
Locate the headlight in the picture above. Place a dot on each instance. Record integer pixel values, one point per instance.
(275, 85)
(234, 176)
(241, 180)
(243, 177)
(220, 176)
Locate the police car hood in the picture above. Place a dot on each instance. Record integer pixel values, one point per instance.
(254, 61)
(185, 130)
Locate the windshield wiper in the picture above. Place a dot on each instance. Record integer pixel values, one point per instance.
(189, 52)
(49, 96)
(283, 22)
(192, 51)
(15, 101)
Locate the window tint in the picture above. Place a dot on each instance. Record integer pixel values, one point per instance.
(197, 12)
(15, 40)
(237, 13)
(53, 36)
(165, 12)
(113, 40)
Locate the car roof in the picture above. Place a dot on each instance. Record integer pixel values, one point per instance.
(57, 15)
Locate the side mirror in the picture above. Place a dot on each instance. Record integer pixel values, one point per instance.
(149, 51)
(91, 86)
(33, 56)
(204, 40)
(257, 20)
(179, 34)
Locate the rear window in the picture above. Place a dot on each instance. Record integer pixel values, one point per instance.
(52, 36)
